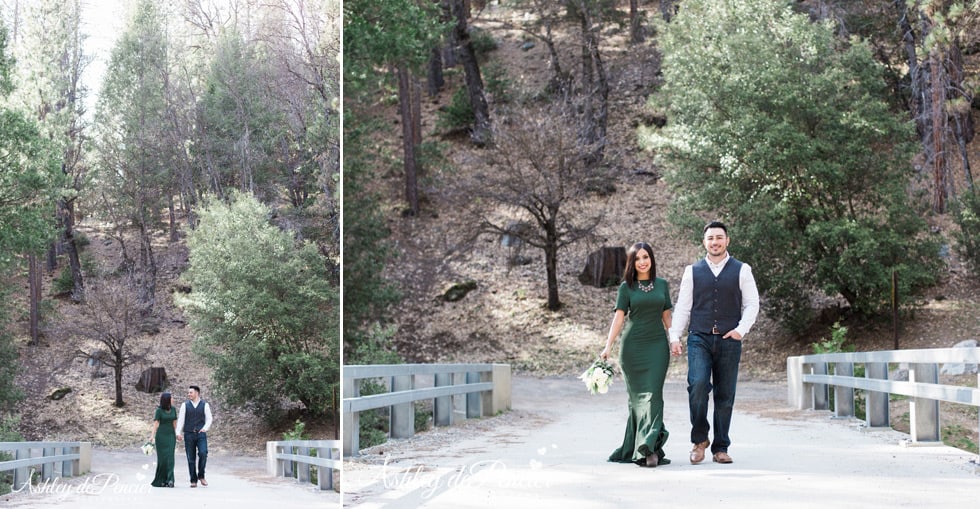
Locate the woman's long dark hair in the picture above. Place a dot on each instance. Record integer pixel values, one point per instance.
(629, 276)
(165, 400)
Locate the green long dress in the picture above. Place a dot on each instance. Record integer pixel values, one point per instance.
(166, 442)
(644, 357)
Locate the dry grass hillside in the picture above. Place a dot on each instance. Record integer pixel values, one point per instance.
(505, 319)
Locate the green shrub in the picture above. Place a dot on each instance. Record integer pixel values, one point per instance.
(497, 83)
(966, 213)
(483, 42)
(458, 115)
(63, 283)
(374, 424)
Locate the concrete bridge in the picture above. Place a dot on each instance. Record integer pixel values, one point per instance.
(550, 451)
(122, 480)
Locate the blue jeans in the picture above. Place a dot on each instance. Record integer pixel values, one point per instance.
(196, 447)
(712, 360)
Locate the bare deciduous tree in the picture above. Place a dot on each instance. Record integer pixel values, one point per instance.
(538, 174)
(109, 327)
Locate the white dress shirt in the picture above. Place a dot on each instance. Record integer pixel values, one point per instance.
(685, 299)
(207, 416)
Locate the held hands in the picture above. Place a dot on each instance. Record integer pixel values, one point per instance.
(676, 349)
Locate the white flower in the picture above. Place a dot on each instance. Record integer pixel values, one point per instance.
(147, 448)
(598, 377)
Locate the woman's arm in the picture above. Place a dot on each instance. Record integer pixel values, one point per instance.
(614, 329)
(156, 424)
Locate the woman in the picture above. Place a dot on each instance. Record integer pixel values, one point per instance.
(165, 437)
(644, 300)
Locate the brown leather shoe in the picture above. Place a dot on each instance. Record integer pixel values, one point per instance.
(202, 481)
(193, 485)
(652, 460)
(697, 454)
(721, 457)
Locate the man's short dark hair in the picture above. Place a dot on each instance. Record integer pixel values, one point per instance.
(196, 388)
(715, 224)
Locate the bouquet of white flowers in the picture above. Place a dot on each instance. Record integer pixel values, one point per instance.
(147, 448)
(598, 377)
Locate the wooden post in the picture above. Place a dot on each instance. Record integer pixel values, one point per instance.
(895, 306)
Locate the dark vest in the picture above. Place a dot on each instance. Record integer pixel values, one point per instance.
(717, 300)
(194, 418)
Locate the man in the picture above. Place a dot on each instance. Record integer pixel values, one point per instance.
(719, 298)
(194, 420)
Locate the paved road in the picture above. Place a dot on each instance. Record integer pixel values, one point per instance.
(550, 452)
(121, 480)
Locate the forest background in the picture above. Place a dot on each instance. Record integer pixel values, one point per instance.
(492, 147)
(169, 197)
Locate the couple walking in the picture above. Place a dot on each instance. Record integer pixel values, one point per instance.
(194, 420)
(719, 298)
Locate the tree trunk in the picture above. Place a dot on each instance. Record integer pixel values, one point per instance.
(595, 85)
(667, 9)
(937, 128)
(474, 82)
(963, 128)
(147, 273)
(173, 218)
(34, 284)
(435, 79)
(117, 371)
(636, 28)
(67, 208)
(408, 139)
(551, 264)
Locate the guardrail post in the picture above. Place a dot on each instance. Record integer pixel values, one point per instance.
(459, 400)
(442, 409)
(796, 390)
(821, 392)
(84, 463)
(402, 415)
(325, 474)
(302, 469)
(271, 463)
(23, 474)
(843, 396)
(47, 468)
(66, 465)
(924, 413)
(877, 402)
(474, 401)
(351, 420)
(498, 400)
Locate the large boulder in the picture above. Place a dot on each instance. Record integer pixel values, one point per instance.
(952, 368)
(604, 267)
(152, 380)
